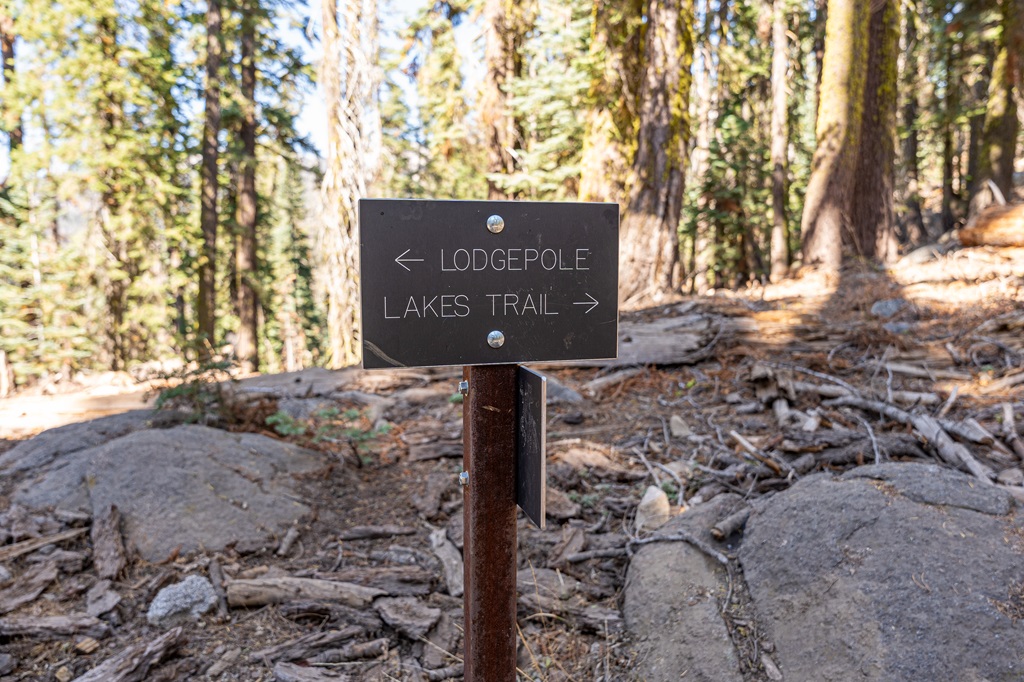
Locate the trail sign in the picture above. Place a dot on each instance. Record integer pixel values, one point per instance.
(487, 282)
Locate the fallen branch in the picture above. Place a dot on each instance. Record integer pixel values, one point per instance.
(949, 450)
(827, 391)
(730, 524)
(289, 672)
(217, 580)
(442, 674)
(353, 652)
(1010, 431)
(25, 546)
(54, 627)
(306, 645)
(924, 372)
(375, 532)
(262, 591)
(133, 664)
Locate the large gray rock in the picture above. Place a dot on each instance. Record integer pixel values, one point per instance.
(188, 487)
(50, 445)
(671, 603)
(906, 572)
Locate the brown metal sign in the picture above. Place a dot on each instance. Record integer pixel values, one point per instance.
(487, 282)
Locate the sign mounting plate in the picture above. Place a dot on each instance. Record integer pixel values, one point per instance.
(531, 444)
(487, 282)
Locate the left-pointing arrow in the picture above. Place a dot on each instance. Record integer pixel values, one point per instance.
(592, 303)
(402, 260)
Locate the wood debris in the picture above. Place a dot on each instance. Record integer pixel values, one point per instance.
(134, 663)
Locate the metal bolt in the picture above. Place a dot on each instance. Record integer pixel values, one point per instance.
(464, 478)
(495, 339)
(495, 224)
(464, 387)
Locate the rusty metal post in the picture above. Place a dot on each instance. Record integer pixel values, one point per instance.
(489, 444)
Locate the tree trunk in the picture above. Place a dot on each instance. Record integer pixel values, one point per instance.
(828, 202)
(502, 21)
(649, 244)
(818, 47)
(116, 287)
(916, 75)
(950, 105)
(999, 137)
(343, 184)
(246, 345)
(873, 214)
(611, 120)
(206, 306)
(780, 142)
(11, 123)
(708, 87)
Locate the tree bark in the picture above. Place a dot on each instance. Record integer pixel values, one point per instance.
(873, 213)
(649, 244)
(950, 105)
(246, 344)
(344, 179)
(207, 304)
(780, 142)
(709, 87)
(999, 137)
(916, 75)
(611, 120)
(503, 33)
(828, 202)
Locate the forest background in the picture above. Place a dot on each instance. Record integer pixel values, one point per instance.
(162, 205)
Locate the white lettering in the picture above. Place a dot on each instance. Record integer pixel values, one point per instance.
(581, 258)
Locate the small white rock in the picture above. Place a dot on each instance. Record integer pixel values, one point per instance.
(1012, 476)
(182, 602)
(678, 427)
(654, 509)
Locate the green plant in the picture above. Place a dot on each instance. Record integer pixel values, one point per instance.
(286, 425)
(200, 392)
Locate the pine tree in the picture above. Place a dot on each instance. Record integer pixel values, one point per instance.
(346, 91)
(872, 212)
(206, 307)
(547, 101)
(649, 244)
(828, 202)
(616, 53)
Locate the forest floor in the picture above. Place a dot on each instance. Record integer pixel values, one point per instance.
(775, 382)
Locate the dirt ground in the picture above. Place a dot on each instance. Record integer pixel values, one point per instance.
(693, 430)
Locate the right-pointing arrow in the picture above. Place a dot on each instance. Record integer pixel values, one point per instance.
(592, 303)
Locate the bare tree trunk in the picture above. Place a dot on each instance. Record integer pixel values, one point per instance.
(828, 202)
(915, 69)
(999, 138)
(346, 93)
(873, 213)
(615, 90)
(206, 306)
(247, 303)
(502, 23)
(818, 47)
(708, 92)
(780, 142)
(649, 244)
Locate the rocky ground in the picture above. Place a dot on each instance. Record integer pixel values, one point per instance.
(814, 481)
